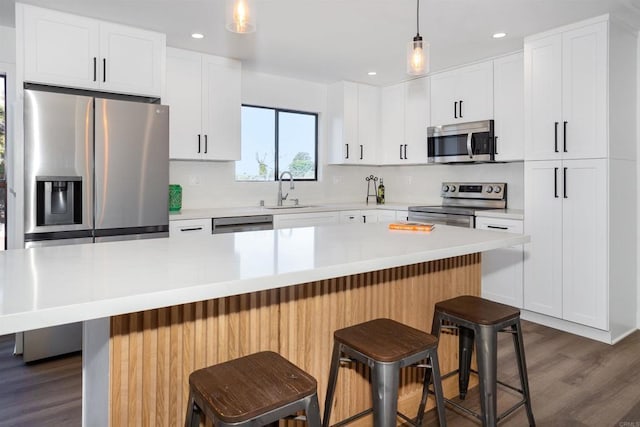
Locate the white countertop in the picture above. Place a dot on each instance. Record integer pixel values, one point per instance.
(49, 286)
(502, 213)
(259, 210)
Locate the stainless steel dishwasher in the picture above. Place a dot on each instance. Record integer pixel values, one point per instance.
(234, 224)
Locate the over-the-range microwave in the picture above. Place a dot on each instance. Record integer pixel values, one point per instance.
(461, 142)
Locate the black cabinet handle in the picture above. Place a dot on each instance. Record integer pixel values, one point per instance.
(555, 136)
(206, 143)
(455, 110)
(104, 69)
(555, 182)
(364, 219)
(460, 109)
(400, 151)
(95, 69)
(347, 153)
(495, 145)
(497, 228)
(405, 151)
(564, 136)
(361, 151)
(198, 143)
(564, 184)
(191, 229)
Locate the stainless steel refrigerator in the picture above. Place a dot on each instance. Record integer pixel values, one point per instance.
(96, 170)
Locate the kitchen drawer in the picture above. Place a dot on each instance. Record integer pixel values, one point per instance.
(500, 224)
(502, 269)
(189, 227)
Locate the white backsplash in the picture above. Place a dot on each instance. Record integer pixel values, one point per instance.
(212, 184)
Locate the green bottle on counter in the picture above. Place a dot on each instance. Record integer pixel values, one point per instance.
(380, 198)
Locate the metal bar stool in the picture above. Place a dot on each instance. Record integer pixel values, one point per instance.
(480, 320)
(385, 346)
(254, 390)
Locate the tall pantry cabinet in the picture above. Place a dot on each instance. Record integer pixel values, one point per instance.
(580, 178)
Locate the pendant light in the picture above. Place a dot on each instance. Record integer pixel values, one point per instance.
(417, 50)
(240, 16)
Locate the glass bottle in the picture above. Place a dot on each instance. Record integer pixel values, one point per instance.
(380, 198)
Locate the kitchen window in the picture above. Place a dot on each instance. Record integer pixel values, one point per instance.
(276, 140)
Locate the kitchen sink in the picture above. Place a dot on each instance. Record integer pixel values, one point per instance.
(289, 207)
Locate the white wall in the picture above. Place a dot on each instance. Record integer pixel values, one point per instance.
(212, 184)
(8, 45)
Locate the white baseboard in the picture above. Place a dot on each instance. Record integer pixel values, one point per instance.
(566, 326)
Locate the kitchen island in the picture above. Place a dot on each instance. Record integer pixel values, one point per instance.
(155, 310)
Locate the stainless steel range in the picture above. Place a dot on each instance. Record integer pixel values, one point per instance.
(460, 201)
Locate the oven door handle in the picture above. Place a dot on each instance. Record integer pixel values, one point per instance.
(470, 144)
(442, 218)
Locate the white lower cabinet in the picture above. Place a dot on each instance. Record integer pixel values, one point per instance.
(363, 216)
(566, 264)
(502, 269)
(305, 219)
(372, 215)
(189, 227)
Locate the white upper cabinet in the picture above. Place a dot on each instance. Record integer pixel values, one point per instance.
(508, 98)
(405, 118)
(462, 95)
(133, 60)
(566, 94)
(59, 48)
(353, 112)
(221, 107)
(203, 92)
(68, 50)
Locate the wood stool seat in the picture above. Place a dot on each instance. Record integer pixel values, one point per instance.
(248, 388)
(478, 310)
(479, 320)
(385, 340)
(386, 346)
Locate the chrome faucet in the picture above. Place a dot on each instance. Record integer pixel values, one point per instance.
(282, 198)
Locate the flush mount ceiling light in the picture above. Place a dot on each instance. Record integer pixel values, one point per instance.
(418, 50)
(240, 16)
(197, 36)
(499, 35)
(372, 73)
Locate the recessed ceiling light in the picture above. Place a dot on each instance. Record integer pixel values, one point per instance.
(372, 73)
(197, 36)
(499, 35)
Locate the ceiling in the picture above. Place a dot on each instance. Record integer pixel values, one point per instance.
(330, 40)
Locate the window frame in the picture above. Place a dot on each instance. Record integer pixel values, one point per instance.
(276, 169)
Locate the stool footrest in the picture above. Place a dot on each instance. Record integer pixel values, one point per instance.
(353, 418)
(462, 408)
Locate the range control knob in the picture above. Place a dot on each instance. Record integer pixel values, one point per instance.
(497, 189)
(489, 189)
(453, 188)
(445, 188)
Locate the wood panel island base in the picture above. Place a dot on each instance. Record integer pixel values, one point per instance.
(153, 352)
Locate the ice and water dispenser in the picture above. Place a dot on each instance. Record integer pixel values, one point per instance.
(58, 200)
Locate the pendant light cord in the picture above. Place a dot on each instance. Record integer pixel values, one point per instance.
(418, 17)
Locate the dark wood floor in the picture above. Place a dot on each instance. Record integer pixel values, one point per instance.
(39, 394)
(575, 382)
